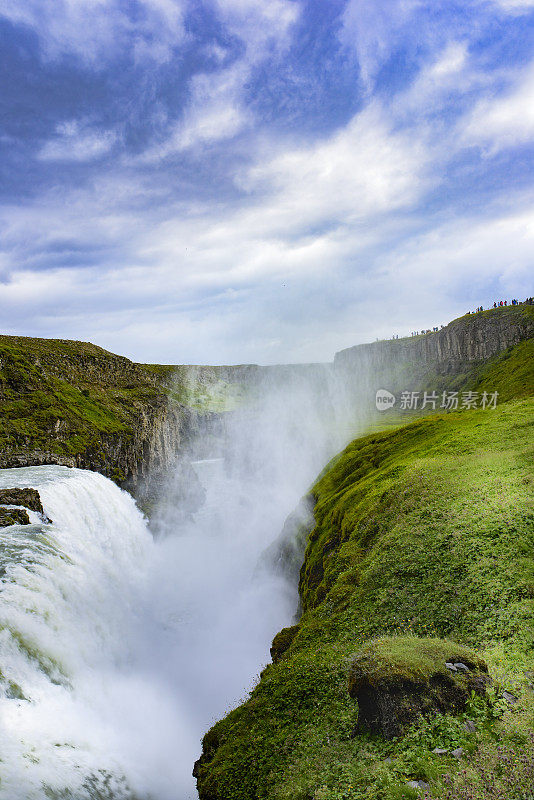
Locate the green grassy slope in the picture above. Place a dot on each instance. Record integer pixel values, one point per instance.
(63, 396)
(509, 373)
(423, 531)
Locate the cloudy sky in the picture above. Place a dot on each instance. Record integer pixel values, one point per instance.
(261, 180)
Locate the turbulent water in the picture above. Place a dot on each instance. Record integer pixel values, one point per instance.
(118, 650)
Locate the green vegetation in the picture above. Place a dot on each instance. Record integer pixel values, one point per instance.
(504, 314)
(409, 658)
(511, 373)
(422, 534)
(63, 397)
(206, 389)
(75, 401)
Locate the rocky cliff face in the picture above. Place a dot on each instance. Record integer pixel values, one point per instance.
(461, 344)
(75, 404)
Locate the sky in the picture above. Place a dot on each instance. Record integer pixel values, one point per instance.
(261, 181)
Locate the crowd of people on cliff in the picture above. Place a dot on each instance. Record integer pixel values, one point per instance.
(501, 303)
(497, 304)
(427, 330)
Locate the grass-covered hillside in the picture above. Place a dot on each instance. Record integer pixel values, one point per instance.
(421, 556)
(75, 403)
(70, 399)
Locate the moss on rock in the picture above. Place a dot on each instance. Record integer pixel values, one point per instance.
(29, 498)
(282, 642)
(397, 679)
(13, 516)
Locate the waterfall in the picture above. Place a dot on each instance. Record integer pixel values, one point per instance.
(118, 650)
(68, 610)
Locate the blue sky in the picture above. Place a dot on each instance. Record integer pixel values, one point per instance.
(266, 181)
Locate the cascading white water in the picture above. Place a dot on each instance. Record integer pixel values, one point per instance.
(118, 651)
(67, 613)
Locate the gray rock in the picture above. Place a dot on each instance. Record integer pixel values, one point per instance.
(452, 667)
(29, 498)
(470, 726)
(510, 698)
(458, 753)
(418, 785)
(13, 516)
(440, 751)
(461, 666)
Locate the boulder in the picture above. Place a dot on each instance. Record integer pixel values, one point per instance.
(282, 642)
(29, 498)
(13, 516)
(397, 679)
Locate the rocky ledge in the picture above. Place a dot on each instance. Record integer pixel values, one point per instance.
(395, 680)
(15, 504)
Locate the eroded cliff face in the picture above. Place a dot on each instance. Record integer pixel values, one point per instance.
(75, 404)
(454, 349)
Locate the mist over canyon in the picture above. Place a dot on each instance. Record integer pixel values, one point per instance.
(124, 636)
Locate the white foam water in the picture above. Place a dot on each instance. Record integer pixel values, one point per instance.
(118, 650)
(67, 615)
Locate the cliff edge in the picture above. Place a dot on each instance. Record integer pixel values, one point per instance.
(409, 671)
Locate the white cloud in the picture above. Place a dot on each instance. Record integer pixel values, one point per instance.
(225, 297)
(505, 120)
(371, 28)
(75, 142)
(311, 210)
(448, 73)
(215, 113)
(97, 29)
(216, 109)
(260, 25)
(515, 6)
(329, 246)
(365, 169)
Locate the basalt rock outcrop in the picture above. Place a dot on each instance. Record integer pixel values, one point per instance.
(396, 680)
(29, 498)
(15, 504)
(75, 404)
(453, 350)
(13, 516)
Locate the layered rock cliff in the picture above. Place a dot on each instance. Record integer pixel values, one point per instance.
(75, 404)
(455, 349)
